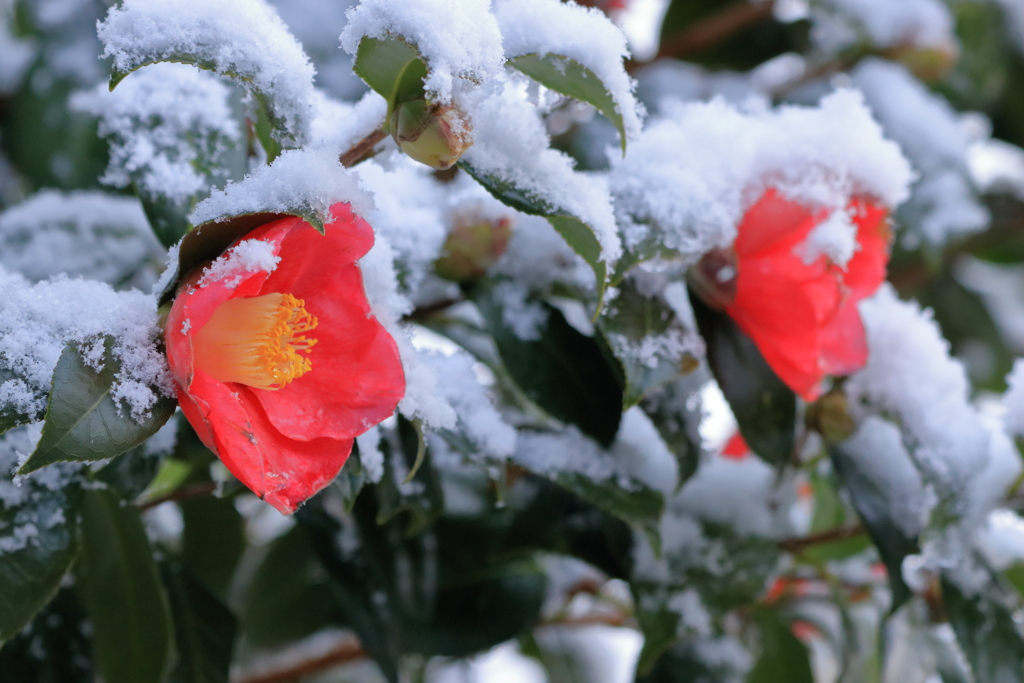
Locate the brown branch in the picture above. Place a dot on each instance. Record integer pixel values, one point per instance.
(197, 490)
(798, 545)
(343, 653)
(712, 30)
(428, 310)
(351, 651)
(363, 149)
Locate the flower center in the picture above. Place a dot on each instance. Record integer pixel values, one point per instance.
(256, 341)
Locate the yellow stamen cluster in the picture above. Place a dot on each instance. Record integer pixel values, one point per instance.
(256, 341)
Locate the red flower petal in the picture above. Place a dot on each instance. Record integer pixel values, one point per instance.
(287, 444)
(356, 378)
(803, 316)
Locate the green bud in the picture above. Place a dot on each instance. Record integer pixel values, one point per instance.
(473, 246)
(432, 134)
(830, 417)
(930, 64)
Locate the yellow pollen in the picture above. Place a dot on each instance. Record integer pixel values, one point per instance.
(256, 341)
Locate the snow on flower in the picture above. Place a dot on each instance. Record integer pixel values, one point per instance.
(785, 285)
(280, 365)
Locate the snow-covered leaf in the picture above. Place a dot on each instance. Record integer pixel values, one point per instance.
(580, 236)
(641, 507)
(651, 343)
(764, 407)
(392, 68)
(38, 543)
(875, 511)
(987, 629)
(120, 586)
(83, 421)
(571, 78)
(564, 372)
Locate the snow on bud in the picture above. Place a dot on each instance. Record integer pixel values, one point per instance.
(474, 245)
(432, 134)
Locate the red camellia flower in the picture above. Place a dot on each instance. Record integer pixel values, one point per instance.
(278, 360)
(802, 313)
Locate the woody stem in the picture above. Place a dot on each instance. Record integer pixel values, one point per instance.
(362, 150)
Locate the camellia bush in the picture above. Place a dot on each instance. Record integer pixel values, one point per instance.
(459, 340)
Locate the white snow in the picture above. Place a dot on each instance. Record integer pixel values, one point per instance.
(695, 170)
(510, 142)
(878, 450)
(835, 237)
(459, 39)
(1002, 539)
(84, 233)
(586, 35)
(307, 181)
(243, 39)
(1013, 400)
(164, 124)
(929, 131)
(36, 321)
(918, 23)
(248, 256)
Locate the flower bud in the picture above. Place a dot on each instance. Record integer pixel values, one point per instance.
(830, 417)
(473, 246)
(432, 134)
(930, 63)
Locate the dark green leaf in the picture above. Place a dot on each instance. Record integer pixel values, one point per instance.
(577, 234)
(564, 372)
(213, 540)
(290, 596)
(633, 324)
(392, 68)
(54, 648)
(83, 422)
(783, 656)
(641, 507)
(875, 511)
(31, 569)
(987, 630)
(684, 663)
(120, 586)
(764, 407)
(204, 630)
(423, 502)
(571, 78)
(659, 627)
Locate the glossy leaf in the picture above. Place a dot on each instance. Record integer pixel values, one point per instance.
(289, 596)
(648, 339)
(639, 506)
(83, 422)
(571, 78)
(204, 630)
(31, 569)
(54, 648)
(764, 407)
(121, 588)
(783, 656)
(577, 234)
(392, 68)
(875, 512)
(986, 627)
(564, 372)
(212, 541)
